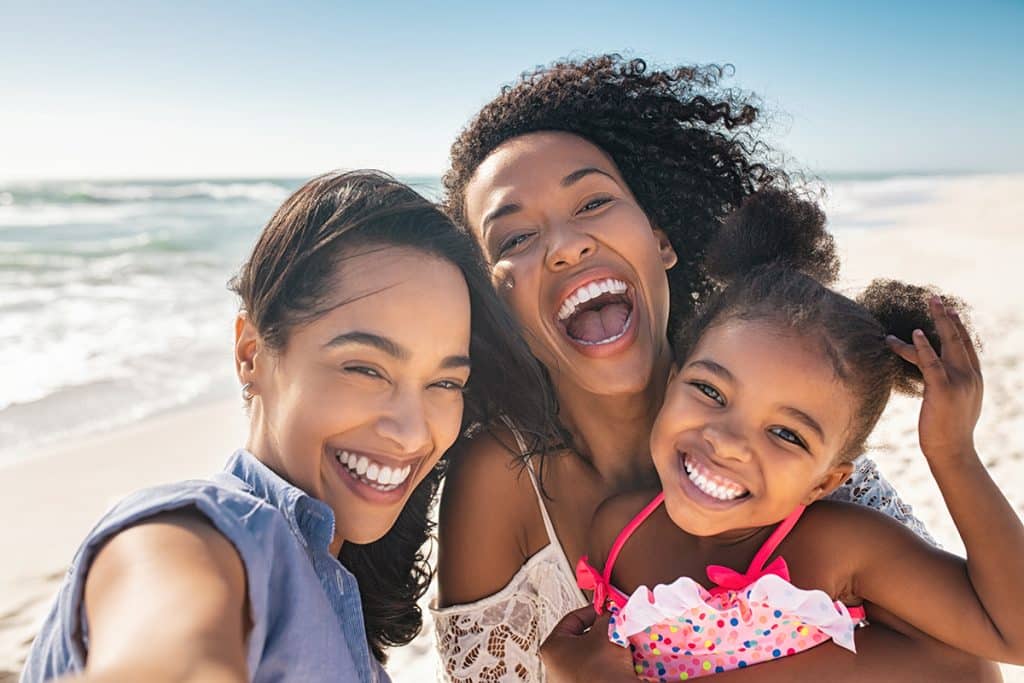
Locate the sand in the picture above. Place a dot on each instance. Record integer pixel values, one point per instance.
(968, 239)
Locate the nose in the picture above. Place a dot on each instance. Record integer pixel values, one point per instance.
(403, 422)
(728, 443)
(568, 246)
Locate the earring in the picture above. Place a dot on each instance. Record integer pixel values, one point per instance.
(246, 394)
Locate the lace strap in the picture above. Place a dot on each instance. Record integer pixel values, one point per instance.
(626, 532)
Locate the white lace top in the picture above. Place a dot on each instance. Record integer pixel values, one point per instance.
(497, 638)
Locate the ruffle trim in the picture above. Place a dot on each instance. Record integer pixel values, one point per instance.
(765, 596)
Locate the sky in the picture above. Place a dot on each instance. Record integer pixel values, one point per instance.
(188, 89)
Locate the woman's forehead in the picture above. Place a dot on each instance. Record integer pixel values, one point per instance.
(530, 165)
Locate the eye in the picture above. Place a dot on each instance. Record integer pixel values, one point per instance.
(594, 204)
(449, 385)
(364, 370)
(710, 392)
(788, 435)
(513, 241)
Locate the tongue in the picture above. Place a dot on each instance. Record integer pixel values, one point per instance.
(600, 324)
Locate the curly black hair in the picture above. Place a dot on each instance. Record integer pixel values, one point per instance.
(684, 145)
(775, 261)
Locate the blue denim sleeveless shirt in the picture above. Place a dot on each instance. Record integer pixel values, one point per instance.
(304, 605)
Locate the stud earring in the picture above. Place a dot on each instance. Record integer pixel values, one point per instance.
(246, 394)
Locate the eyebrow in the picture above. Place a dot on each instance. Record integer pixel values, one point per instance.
(578, 175)
(390, 347)
(797, 414)
(805, 419)
(500, 212)
(714, 368)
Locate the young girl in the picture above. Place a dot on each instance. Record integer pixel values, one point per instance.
(362, 309)
(780, 381)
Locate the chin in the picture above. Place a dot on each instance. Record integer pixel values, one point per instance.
(369, 533)
(617, 377)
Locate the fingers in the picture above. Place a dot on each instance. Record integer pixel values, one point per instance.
(576, 623)
(954, 352)
(902, 349)
(931, 366)
(972, 353)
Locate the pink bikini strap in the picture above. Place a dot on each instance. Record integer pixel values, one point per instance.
(626, 532)
(778, 536)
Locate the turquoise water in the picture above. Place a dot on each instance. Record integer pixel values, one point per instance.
(113, 297)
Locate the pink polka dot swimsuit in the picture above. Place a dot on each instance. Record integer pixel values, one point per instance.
(681, 630)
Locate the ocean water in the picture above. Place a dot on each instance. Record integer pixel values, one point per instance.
(114, 302)
(113, 296)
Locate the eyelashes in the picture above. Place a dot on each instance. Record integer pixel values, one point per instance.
(787, 435)
(517, 240)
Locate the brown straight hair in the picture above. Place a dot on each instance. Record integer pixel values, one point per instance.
(285, 283)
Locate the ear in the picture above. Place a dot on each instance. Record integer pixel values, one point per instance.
(832, 480)
(668, 253)
(673, 371)
(247, 347)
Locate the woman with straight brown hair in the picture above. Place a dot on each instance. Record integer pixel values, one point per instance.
(368, 339)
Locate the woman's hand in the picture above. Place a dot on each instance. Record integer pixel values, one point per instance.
(952, 387)
(578, 649)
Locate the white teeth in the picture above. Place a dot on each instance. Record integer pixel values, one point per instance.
(589, 291)
(378, 476)
(720, 490)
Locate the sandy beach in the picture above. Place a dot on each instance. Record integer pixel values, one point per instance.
(967, 238)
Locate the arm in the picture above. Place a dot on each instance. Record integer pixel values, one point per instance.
(483, 526)
(972, 604)
(166, 601)
(490, 615)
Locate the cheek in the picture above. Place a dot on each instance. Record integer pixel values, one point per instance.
(446, 421)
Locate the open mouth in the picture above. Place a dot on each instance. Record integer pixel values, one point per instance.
(597, 313)
(712, 484)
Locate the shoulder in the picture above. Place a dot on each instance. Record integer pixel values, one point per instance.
(219, 515)
(224, 504)
(847, 533)
(610, 518)
(490, 522)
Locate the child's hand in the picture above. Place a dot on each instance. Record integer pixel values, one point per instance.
(952, 386)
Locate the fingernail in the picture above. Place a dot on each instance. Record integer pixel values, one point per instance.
(918, 333)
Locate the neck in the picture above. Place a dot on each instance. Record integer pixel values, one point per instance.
(612, 432)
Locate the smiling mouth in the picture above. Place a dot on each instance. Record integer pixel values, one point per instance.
(374, 474)
(597, 313)
(712, 484)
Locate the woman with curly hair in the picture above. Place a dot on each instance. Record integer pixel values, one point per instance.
(595, 188)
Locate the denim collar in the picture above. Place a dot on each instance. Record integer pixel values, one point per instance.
(312, 520)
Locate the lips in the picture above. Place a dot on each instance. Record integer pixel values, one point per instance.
(596, 310)
(376, 478)
(708, 484)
